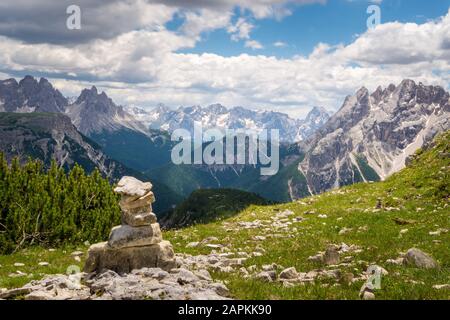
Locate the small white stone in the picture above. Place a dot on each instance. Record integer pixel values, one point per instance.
(192, 244)
(368, 296)
(345, 230)
(289, 273)
(442, 287)
(398, 261)
(259, 238)
(77, 253)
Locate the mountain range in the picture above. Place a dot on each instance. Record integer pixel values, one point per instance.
(52, 136)
(370, 137)
(219, 117)
(93, 112)
(373, 134)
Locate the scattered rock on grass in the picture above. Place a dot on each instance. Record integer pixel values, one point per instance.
(366, 292)
(145, 283)
(442, 286)
(17, 274)
(77, 254)
(347, 278)
(318, 258)
(345, 230)
(401, 221)
(266, 276)
(268, 267)
(192, 244)
(258, 238)
(418, 258)
(398, 261)
(289, 273)
(331, 256)
(368, 296)
(438, 232)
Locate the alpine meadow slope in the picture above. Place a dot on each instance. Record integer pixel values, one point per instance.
(367, 224)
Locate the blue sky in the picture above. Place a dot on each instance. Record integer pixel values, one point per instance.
(337, 21)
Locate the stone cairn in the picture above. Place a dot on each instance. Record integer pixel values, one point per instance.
(137, 243)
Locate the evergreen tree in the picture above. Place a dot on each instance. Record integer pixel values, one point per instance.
(54, 207)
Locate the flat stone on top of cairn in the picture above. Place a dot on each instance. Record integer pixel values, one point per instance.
(132, 187)
(137, 243)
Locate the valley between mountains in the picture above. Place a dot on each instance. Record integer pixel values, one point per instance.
(366, 188)
(319, 247)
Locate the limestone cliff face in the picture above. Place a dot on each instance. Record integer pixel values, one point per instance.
(30, 95)
(48, 136)
(373, 134)
(96, 112)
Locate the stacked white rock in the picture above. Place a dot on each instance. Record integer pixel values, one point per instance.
(137, 243)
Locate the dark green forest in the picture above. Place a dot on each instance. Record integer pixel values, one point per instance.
(53, 207)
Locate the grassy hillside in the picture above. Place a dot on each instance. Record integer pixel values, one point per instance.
(412, 204)
(382, 219)
(368, 172)
(135, 149)
(289, 183)
(184, 179)
(207, 205)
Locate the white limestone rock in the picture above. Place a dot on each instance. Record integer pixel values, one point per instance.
(126, 236)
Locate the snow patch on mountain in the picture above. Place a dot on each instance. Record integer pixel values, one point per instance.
(220, 117)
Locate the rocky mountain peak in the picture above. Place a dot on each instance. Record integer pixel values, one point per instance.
(391, 87)
(219, 116)
(43, 82)
(88, 95)
(94, 112)
(28, 80)
(30, 95)
(9, 83)
(372, 135)
(217, 108)
(161, 108)
(407, 84)
(29, 86)
(316, 113)
(362, 94)
(377, 95)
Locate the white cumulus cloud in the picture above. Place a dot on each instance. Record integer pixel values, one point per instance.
(143, 65)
